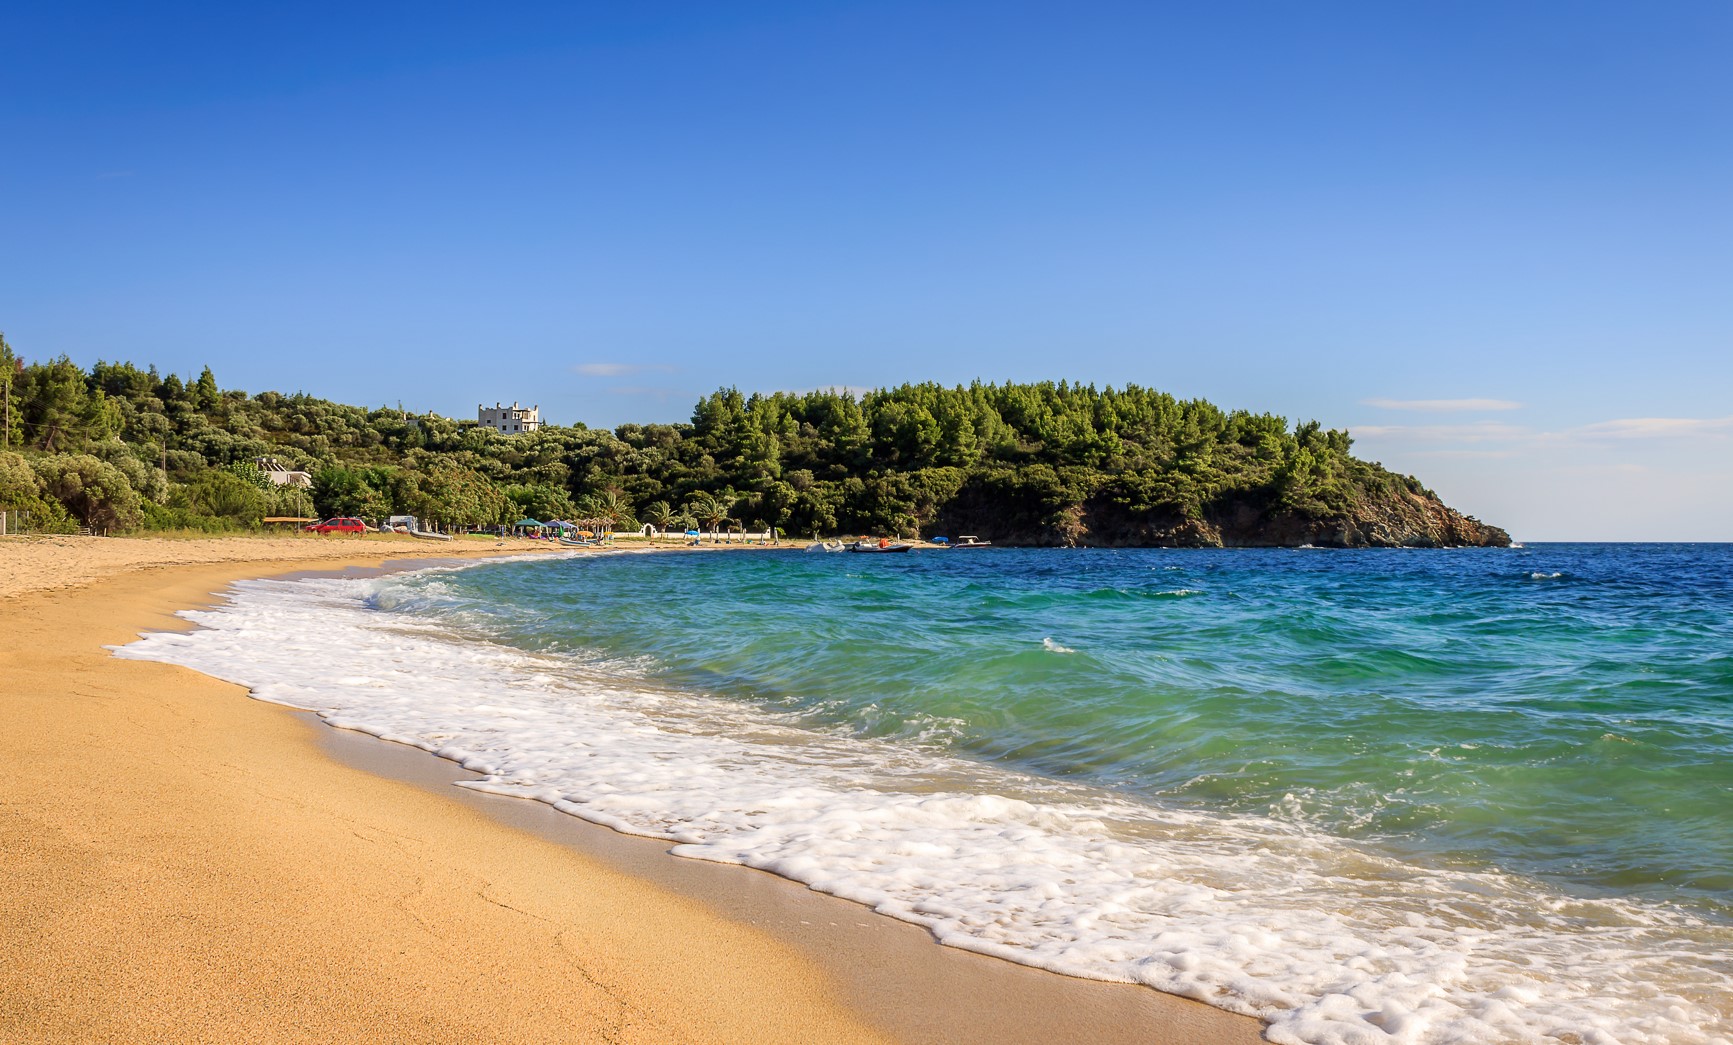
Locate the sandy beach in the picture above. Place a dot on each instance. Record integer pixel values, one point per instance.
(185, 864)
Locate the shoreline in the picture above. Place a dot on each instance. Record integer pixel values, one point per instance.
(894, 972)
(799, 965)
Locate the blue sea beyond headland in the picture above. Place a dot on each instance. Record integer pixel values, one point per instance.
(1451, 795)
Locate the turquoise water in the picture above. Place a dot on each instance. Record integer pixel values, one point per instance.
(1562, 711)
(1414, 797)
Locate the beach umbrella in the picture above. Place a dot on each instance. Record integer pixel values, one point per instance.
(691, 533)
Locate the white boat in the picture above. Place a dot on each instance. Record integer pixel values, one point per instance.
(971, 542)
(879, 547)
(412, 526)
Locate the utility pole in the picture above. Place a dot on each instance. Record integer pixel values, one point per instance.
(6, 365)
(12, 371)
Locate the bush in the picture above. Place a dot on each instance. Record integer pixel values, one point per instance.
(21, 491)
(223, 495)
(17, 482)
(166, 517)
(148, 480)
(92, 490)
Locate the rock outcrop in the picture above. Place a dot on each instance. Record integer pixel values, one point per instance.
(1402, 520)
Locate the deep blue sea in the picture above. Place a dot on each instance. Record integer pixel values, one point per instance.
(1473, 795)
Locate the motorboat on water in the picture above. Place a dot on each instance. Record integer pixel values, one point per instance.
(971, 542)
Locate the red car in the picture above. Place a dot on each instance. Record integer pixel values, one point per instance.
(341, 525)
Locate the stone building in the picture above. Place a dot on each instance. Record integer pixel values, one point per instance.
(511, 419)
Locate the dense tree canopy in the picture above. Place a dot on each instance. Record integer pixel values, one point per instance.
(118, 446)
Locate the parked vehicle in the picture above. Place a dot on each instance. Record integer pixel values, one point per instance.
(342, 524)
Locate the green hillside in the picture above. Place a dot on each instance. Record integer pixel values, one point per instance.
(118, 448)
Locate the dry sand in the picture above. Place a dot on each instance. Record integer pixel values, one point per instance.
(181, 864)
(44, 563)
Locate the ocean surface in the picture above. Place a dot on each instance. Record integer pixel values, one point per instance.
(1371, 796)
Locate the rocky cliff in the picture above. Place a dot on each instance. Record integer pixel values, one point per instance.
(1401, 520)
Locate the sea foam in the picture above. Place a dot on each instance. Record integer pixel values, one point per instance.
(1331, 942)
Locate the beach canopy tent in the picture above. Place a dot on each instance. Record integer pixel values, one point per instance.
(561, 524)
(529, 524)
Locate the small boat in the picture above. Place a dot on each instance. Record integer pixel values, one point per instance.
(880, 547)
(971, 542)
(825, 546)
(572, 542)
(412, 526)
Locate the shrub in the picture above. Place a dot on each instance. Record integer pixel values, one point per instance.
(92, 490)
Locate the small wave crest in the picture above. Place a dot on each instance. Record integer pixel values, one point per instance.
(1133, 594)
(1053, 647)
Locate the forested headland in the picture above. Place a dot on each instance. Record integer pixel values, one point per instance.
(117, 448)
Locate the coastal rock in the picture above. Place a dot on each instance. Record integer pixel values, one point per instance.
(1401, 520)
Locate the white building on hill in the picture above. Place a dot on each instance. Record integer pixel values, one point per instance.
(281, 476)
(509, 419)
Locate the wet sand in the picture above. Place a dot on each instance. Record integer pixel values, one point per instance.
(185, 864)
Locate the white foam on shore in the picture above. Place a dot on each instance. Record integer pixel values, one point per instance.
(1330, 942)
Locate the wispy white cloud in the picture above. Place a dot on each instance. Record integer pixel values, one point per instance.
(620, 369)
(1442, 405)
(1471, 440)
(1657, 428)
(1483, 431)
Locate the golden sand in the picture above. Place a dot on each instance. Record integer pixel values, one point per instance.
(181, 864)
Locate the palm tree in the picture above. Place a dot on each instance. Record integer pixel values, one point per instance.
(661, 515)
(710, 509)
(609, 507)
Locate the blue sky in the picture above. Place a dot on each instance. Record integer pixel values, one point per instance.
(1493, 240)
